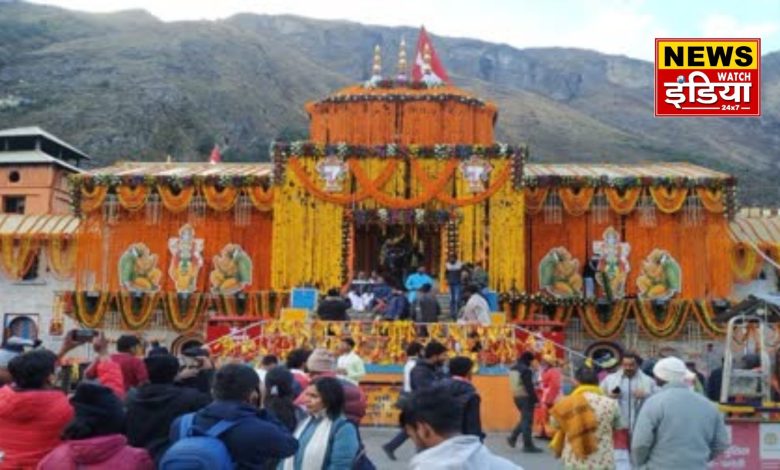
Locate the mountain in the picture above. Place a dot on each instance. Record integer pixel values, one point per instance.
(128, 86)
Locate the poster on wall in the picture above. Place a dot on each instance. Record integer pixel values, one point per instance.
(612, 268)
(138, 271)
(232, 270)
(21, 325)
(660, 276)
(559, 274)
(186, 261)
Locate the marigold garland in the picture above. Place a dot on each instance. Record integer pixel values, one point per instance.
(677, 312)
(668, 200)
(576, 201)
(219, 199)
(712, 199)
(503, 176)
(623, 204)
(534, 199)
(262, 199)
(175, 202)
(87, 318)
(17, 257)
(365, 184)
(746, 264)
(62, 260)
(136, 320)
(92, 199)
(184, 321)
(132, 198)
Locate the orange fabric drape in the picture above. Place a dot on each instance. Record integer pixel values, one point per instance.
(220, 200)
(262, 199)
(668, 200)
(534, 199)
(430, 192)
(576, 201)
(175, 202)
(132, 198)
(91, 200)
(101, 246)
(366, 186)
(624, 204)
(712, 199)
(496, 183)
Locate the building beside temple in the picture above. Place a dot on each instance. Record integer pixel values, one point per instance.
(37, 231)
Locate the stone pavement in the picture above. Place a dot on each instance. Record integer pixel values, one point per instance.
(373, 439)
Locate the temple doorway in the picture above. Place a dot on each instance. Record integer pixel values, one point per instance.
(397, 250)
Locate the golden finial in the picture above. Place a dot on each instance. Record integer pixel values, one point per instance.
(402, 58)
(377, 67)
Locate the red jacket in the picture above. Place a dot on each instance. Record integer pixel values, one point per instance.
(97, 453)
(30, 425)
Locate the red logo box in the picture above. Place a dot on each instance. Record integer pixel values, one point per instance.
(707, 77)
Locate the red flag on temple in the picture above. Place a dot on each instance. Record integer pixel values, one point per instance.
(419, 59)
(215, 157)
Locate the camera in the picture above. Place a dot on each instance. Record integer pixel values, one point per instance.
(83, 335)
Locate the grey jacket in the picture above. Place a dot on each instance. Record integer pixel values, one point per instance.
(678, 428)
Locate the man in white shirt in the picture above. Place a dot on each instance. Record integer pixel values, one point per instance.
(349, 364)
(477, 309)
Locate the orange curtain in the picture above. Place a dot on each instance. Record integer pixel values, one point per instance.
(220, 200)
(718, 242)
(625, 203)
(576, 201)
(669, 200)
(175, 202)
(712, 199)
(132, 198)
(91, 200)
(534, 199)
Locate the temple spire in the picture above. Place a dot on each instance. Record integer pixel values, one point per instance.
(376, 69)
(402, 60)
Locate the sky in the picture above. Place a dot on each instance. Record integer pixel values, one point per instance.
(625, 27)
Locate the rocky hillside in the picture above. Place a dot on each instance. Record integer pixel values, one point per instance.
(128, 86)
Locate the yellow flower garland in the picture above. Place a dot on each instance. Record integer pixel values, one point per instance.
(506, 267)
(62, 261)
(94, 318)
(137, 320)
(184, 321)
(17, 260)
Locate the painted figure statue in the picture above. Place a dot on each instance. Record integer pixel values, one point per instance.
(232, 270)
(613, 267)
(660, 276)
(138, 271)
(559, 273)
(187, 259)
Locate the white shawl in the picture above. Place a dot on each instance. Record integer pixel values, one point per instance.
(314, 453)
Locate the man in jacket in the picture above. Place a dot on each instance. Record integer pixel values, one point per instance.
(154, 406)
(333, 307)
(630, 387)
(432, 418)
(32, 413)
(133, 369)
(454, 273)
(236, 397)
(521, 379)
(426, 306)
(428, 370)
(460, 385)
(397, 306)
(677, 427)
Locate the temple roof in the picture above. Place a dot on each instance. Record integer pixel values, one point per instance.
(389, 90)
(43, 226)
(760, 227)
(184, 169)
(541, 174)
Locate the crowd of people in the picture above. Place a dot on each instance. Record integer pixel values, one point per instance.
(416, 300)
(144, 408)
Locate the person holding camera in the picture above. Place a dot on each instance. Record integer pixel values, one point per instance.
(630, 387)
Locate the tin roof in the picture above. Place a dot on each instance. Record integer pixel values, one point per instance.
(184, 169)
(42, 226)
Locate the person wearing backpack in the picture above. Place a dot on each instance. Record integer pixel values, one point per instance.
(230, 432)
(466, 393)
(328, 440)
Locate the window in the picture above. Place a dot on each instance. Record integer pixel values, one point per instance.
(13, 204)
(14, 176)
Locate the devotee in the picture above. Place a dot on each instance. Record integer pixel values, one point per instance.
(415, 281)
(322, 363)
(279, 397)
(426, 308)
(154, 406)
(454, 274)
(268, 362)
(327, 439)
(521, 380)
(714, 383)
(349, 364)
(413, 354)
(32, 413)
(236, 398)
(361, 293)
(197, 370)
(479, 276)
(461, 370)
(584, 422)
(676, 427)
(12, 347)
(550, 382)
(129, 348)
(94, 438)
(333, 307)
(476, 310)
(428, 371)
(296, 362)
(630, 387)
(432, 418)
(698, 377)
(398, 307)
